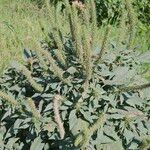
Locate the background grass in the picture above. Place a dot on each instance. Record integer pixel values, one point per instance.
(19, 23)
(21, 20)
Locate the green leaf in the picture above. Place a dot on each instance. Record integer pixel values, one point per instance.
(37, 144)
(144, 58)
(72, 119)
(110, 131)
(48, 107)
(129, 135)
(116, 116)
(17, 123)
(11, 142)
(134, 101)
(87, 115)
(71, 70)
(110, 146)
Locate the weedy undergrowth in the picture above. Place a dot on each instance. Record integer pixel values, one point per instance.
(74, 93)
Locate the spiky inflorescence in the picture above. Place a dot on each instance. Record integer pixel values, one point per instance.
(35, 112)
(132, 22)
(94, 23)
(76, 32)
(83, 139)
(56, 69)
(104, 43)
(122, 28)
(56, 102)
(28, 76)
(8, 98)
(53, 17)
(134, 88)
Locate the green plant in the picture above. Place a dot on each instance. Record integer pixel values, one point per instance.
(74, 93)
(110, 10)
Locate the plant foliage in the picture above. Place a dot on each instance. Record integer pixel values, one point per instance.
(110, 10)
(73, 93)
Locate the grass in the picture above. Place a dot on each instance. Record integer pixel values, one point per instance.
(20, 22)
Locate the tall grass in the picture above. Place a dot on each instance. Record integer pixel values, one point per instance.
(21, 21)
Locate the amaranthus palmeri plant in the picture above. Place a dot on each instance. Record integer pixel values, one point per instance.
(75, 92)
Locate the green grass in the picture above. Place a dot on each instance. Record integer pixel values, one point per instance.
(20, 23)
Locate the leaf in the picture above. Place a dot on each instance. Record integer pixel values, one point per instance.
(72, 119)
(128, 135)
(71, 70)
(27, 53)
(48, 107)
(17, 123)
(79, 127)
(101, 138)
(116, 116)
(110, 146)
(27, 120)
(11, 142)
(37, 144)
(68, 103)
(8, 113)
(144, 58)
(110, 131)
(24, 126)
(122, 75)
(141, 128)
(134, 101)
(40, 106)
(87, 115)
(133, 145)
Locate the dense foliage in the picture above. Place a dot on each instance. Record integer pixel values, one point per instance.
(73, 93)
(110, 10)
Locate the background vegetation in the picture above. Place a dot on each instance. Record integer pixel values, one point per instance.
(20, 20)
